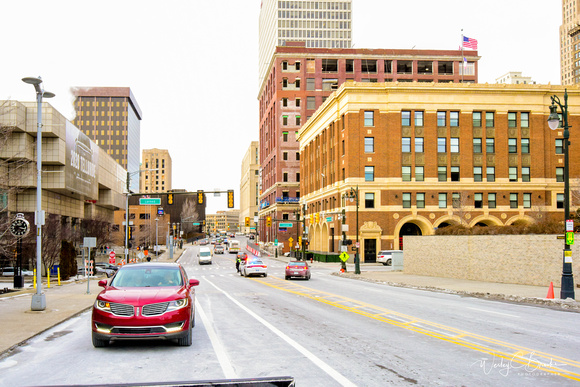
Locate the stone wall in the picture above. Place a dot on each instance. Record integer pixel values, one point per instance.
(518, 259)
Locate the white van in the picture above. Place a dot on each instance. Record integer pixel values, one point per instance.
(204, 255)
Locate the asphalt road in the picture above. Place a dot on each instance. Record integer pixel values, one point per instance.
(328, 331)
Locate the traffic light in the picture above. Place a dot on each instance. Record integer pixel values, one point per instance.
(268, 221)
(200, 196)
(170, 199)
(316, 218)
(299, 240)
(311, 218)
(230, 198)
(247, 221)
(129, 233)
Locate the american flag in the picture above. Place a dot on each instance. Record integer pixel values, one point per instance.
(469, 43)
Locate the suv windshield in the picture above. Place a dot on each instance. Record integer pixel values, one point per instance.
(146, 277)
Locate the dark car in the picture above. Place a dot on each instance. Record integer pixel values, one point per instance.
(297, 269)
(219, 249)
(145, 301)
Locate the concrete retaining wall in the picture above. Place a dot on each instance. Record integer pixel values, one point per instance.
(518, 259)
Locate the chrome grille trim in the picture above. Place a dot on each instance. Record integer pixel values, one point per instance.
(122, 309)
(154, 309)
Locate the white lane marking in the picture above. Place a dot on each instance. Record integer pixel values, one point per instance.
(313, 358)
(490, 311)
(217, 345)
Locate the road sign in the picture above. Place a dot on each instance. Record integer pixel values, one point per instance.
(112, 257)
(196, 224)
(569, 238)
(329, 218)
(284, 225)
(569, 225)
(150, 201)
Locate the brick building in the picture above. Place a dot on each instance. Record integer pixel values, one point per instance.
(427, 156)
(299, 80)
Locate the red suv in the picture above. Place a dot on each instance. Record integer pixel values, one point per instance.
(145, 301)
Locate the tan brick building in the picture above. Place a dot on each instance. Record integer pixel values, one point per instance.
(158, 179)
(426, 156)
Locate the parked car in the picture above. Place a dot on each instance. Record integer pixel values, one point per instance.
(145, 301)
(9, 272)
(253, 266)
(297, 269)
(106, 271)
(219, 249)
(107, 265)
(385, 257)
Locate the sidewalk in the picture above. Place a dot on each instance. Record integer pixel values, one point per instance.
(19, 323)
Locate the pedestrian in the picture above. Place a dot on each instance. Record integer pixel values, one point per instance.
(238, 263)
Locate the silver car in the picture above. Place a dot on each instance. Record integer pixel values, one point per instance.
(254, 266)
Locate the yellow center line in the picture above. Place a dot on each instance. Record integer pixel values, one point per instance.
(535, 360)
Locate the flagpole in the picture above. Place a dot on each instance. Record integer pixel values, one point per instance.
(462, 57)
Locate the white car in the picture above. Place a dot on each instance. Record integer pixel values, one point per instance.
(204, 255)
(9, 272)
(254, 266)
(385, 257)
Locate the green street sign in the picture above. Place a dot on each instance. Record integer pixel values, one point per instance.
(329, 218)
(569, 237)
(285, 225)
(150, 201)
(196, 224)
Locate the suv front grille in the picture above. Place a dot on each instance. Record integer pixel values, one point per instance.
(155, 309)
(122, 309)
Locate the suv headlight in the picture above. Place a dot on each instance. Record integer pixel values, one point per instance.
(103, 305)
(177, 304)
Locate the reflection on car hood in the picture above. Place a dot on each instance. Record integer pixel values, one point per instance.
(142, 296)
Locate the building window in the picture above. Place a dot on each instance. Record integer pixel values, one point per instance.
(406, 145)
(284, 120)
(369, 144)
(441, 145)
(454, 173)
(477, 119)
(442, 173)
(525, 145)
(311, 103)
(454, 145)
(369, 173)
(297, 102)
(369, 118)
(284, 83)
(512, 120)
(343, 147)
(477, 145)
(512, 145)
(285, 136)
(406, 118)
(424, 67)
(369, 200)
(478, 200)
(297, 156)
(329, 65)
(560, 174)
(420, 199)
(442, 200)
(490, 145)
(406, 173)
(419, 145)
(490, 174)
(368, 66)
(526, 174)
(284, 156)
(513, 173)
(489, 120)
(349, 65)
(285, 176)
(453, 118)
(527, 200)
(404, 67)
(298, 120)
(559, 146)
(284, 65)
(441, 118)
(284, 102)
(513, 200)
(525, 120)
(310, 84)
(418, 118)
(388, 66)
(491, 203)
(297, 66)
(560, 200)
(297, 179)
(297, 83)
(406, 200)
(456, 200)
(419, 173)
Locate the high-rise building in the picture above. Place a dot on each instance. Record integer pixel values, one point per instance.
(299, 80)
(570, 43)
(320, 24)
(515, 78)
(156, 172)
(249, 188)
(111, 117)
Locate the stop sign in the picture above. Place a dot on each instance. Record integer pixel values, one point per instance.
(112, 257)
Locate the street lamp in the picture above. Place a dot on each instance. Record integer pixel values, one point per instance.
(38, 299)
(567, 285)
(353, 195)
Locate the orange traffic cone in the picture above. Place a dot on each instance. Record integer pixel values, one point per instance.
(551, 291)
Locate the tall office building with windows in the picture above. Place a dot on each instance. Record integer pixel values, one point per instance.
(320, 24)
(570, 43)
(111, 117)
(156, 172)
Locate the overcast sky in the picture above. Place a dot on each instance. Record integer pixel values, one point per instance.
(193, 65)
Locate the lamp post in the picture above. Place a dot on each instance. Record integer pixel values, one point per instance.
(156, 237)
(567, 285)
(353, 194)
(38, 299)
